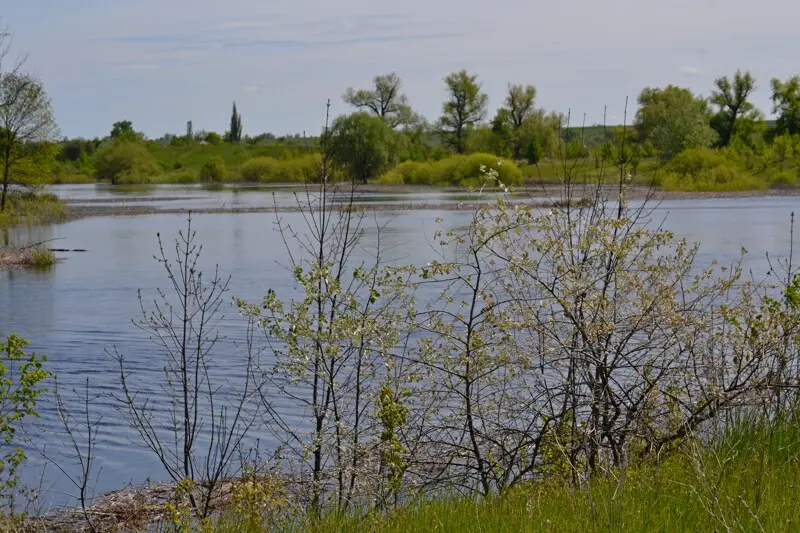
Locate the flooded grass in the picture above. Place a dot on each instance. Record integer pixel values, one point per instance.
(32, 209)
(27, 257)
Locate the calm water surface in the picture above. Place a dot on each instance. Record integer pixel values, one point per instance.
(79, 310)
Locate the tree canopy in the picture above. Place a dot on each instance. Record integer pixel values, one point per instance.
(464, 108)
(522, 127)
(123, 130)
(360, 144)
(786, 104)
(26, 121)
(735, 115)
(385, 100)
(673, 119)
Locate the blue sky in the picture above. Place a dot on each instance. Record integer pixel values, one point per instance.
(161, 63)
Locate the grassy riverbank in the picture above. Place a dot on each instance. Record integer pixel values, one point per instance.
(694, 170)
(747, 481)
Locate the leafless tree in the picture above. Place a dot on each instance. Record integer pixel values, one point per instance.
(198, 436)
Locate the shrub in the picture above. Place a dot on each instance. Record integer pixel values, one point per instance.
(125, 162)
(259, 169)
(213, 170)
(409, 173)
(703, 169)
(455, 170)
(782, 178)
(271, 170)
(468, 170)
(183, 176)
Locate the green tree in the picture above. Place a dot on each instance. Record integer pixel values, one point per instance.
(234, 134)
(213, 137)
(384, 100)
(361, 145)
(465, 107)
(124, 160)
(414, 141)
(76, 149)
(487, 139)
(735, 115)
(518, 120)
(786, 104)
(673, 119)
(123, 130)
(26, 120)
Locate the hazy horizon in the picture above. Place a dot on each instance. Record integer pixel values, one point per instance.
(160, 64)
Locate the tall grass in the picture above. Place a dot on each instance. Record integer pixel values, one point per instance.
(42, 258)
(33, 257)
(747, 479)
(32, 208)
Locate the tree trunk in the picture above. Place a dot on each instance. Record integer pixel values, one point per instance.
(5, 185)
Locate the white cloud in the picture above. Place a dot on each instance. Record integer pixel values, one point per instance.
(691, 71)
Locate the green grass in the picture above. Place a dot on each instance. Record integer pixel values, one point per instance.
(32, 209)
(43, 258)
(748, 480)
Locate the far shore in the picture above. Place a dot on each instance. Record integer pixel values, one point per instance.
(544, 197)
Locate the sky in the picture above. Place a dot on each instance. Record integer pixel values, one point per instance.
(160, 63)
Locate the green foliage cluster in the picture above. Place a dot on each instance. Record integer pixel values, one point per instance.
(271, 170)
(21, 377)
(125, 162)
(362, 146)
(704, 169)
(456, 170)
(32, 208)
(732, 169)
(213, 170)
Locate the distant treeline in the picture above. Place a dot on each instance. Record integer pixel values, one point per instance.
(676, 140)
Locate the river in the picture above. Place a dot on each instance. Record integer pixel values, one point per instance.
(83, 308)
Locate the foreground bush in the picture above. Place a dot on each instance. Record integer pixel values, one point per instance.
(125, 162)
(460, 170)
